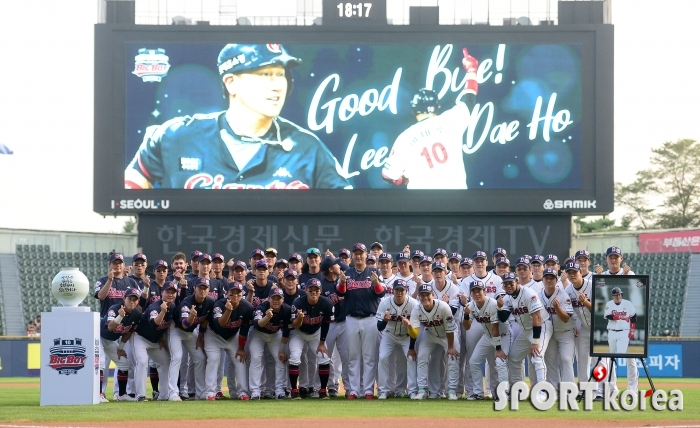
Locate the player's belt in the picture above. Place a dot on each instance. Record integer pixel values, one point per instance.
(616, 330)
(359, 316)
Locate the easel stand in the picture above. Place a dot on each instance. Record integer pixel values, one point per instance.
(611, 367)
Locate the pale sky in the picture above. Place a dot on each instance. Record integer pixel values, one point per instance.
(47, 102)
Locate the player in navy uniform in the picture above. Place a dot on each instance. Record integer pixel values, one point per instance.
(191, 319)
(148, 342)
(115, 331)
(258, 289)
(311, 318)
(249, 146)
(194, 263)
(292, 291)
(362, 291)
(216, 286)
(312, 267)
(333, 272)
(151, 293)
(228, 330)
(271, 322)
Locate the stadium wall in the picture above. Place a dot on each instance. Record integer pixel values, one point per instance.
(59, 241)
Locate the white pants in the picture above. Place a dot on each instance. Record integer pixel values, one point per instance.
(559, 358)
(521, 348)
(257, 342)
(361, 337)
(299, 341)
(146, 352)
(336, 339)
(485, 350)
(223, 361)
(108, 352)
(178, 340)
(632, 375)
(468, 341)
(393, 348)
(583, 354)
(430, 355)
(213, 345)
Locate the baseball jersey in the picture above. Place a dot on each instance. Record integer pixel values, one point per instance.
(360, 299)
(429, 153)
(582, 313)
(240, 319)
(290, 298)
(261, 294)
(564, 303)
(619, 272)
(139, 281)
(486, 316)
(437, 322)
(492, 282)
(409, 282)
(279, 321)
(128, 324)
(203, 152)
(534, 285)
(305, 276)
(395, 326)
(451, 291)
(322, 312)
(217, 288)
(117, 291)
(388, 283)
(329, 290)
(523, 306)
(154, 293)
(251, 275)
(203, 309)
(147, 327)
(625, 310)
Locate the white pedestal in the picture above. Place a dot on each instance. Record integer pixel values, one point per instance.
(70, 356)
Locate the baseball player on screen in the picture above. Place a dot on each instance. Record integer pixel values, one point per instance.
(429, 155)
(248, 146)
(622, 319)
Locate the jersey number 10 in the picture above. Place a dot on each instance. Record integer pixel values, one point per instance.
(439, 154)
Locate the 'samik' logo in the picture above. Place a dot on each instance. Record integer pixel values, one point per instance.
(67, 356)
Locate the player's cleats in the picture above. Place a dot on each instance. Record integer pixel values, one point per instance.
(295, 394)
(268, 396)
(125, 397)
(488, 396)
(475, 397)
(332, 393)
(255, 397)
(452, 395)
(103, 399)
(598, 399)
(369, 396)
(155, 395)
(313, 394)
(351, 396)
(184, 397)
(244, 397)
(220, 396)
(420, 395)
(323, 394)
(303, 393)
(141, 398)
(282, 397)
(175, 398)
(382, 396)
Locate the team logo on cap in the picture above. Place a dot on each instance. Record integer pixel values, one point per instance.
(151, 65)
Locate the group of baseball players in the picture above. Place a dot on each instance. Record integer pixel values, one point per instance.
(410, 325)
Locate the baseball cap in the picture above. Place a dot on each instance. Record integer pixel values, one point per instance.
(403, 257)
(439, 265)
(552, 258)
(528, 257)
(456, 256)
(281, 262)
(139, 256)
(217, 256)
(476, 285)
(417, 253)
(508, 276)
(616, 290)
(116, 257)
(159, 264)
(440, 252)
(195, 254)
(426, 259)
(132, 292)
(479, 255)
(613, 251)
(359, 247)
(276, 292)
(386, 256)
(500, 251)
(205, 257)
(169, 285)
(313, 282)
(257, 252)
(502, 260)
(295, 256)
(344, 251)
(234, 285)
(570, 259)
(572, 266)
(240, 264)
(201, 282)
(466, 262)
(271, 250)
(582, 253)
(371, 258)
(425, 288)
(522, 261)
(399, 283)
(537, 259)
(260, 264)
(313, 250)
(550, 271)
(378, 245)
(328, 263)
(291, 272)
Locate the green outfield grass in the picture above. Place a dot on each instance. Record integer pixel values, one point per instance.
(20, 403)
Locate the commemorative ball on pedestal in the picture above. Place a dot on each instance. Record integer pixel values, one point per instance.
(70, 286)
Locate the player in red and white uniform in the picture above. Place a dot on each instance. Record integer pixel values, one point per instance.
(427, 152)
(559, 357)
(622, 319)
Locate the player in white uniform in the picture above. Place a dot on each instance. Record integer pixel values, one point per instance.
(535, 332)
(622, 319)
(495, 342)
(559, 357)
(438, 337)
(583, 258)
(427, 152)
(523, 270)
(580, 292)
(403, 261)
(395, 342)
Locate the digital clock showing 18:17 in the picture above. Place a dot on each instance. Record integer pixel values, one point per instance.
(354, 10)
